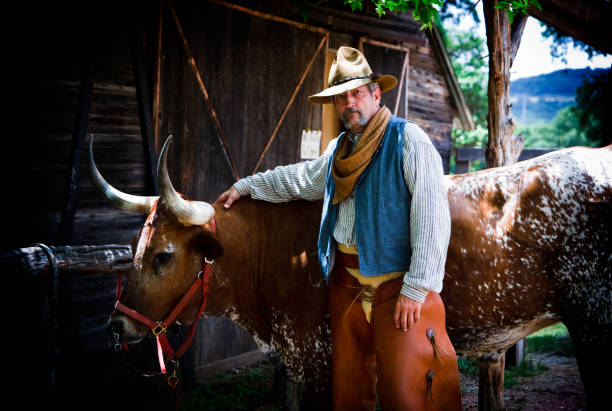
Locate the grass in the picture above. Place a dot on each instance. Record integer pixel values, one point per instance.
(248, 389)
(527, 368)
(550, 340)
(554, 340)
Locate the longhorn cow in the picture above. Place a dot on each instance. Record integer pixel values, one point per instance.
(530, 246)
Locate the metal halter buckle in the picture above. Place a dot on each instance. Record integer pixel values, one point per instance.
(158, 329)
(116, 343)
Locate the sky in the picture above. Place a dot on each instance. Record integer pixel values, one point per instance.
(533, 57)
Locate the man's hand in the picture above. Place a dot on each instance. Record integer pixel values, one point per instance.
(228, 197)
(407, 312)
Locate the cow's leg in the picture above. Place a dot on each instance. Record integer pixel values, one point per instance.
(592, 347)
(491, 382)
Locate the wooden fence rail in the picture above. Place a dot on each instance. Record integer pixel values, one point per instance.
(109, 259)
(465, 155)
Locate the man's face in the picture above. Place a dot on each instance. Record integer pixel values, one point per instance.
(355, 107)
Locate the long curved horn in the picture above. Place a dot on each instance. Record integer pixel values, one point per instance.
(127, 202)
(187, 212)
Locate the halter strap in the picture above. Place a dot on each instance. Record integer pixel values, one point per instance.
(159, 328)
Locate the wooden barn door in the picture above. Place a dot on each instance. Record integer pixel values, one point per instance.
(232, 87)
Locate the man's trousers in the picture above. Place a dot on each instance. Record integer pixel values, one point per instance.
(412, 370)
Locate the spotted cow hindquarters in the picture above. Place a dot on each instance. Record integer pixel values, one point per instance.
(417, 369)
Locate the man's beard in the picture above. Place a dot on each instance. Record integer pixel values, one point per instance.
(346, 114)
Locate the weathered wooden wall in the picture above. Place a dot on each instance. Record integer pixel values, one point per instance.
(250, 67)
(60, 46)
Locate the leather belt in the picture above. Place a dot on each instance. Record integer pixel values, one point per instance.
(386, 291)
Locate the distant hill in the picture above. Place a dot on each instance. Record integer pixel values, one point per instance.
(539, 98)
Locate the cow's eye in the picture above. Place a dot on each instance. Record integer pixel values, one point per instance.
(161, 259)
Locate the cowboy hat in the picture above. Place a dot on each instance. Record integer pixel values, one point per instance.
(350, 70)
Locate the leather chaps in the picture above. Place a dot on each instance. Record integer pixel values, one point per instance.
(413, 370)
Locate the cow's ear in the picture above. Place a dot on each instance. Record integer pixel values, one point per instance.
(208, 245)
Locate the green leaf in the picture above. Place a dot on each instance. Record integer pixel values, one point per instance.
(536, 4)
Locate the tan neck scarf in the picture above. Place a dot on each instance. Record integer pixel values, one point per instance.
(348, 165)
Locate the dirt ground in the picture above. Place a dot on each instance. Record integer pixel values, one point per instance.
(557, 388)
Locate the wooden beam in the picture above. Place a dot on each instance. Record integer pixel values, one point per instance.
(143, 96)
(157, 75)
(76, 149)
(102, 259)
(588, 22)
(364, 40)
(478, 153)
(393, 27)
(402, 89)
(268, 16)
(334, 22)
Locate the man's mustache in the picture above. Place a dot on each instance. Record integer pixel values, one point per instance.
(349, 110)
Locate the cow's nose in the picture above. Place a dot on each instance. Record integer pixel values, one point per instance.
(115, 328)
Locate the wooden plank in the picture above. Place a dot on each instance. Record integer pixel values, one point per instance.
(402, 90)
(268, 16)
(383, 44)
(478, 154)
(157, 75)
(237, 340)
(335, 21)
(529, 153)
(78, 138)
(108, 259)
(143, 96)
(205, 372)
(462, 167)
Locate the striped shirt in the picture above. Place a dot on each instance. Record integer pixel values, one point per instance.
(429, 214)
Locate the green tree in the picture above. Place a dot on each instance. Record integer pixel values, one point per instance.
(562, 132)
(593, 107)
(427, 11)
(466, 50)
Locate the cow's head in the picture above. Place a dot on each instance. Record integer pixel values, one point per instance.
(168, 252)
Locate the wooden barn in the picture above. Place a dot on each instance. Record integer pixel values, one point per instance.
(229, 80)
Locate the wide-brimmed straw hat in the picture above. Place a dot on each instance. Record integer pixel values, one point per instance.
(350, 70)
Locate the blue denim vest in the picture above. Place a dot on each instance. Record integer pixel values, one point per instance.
(382, 210)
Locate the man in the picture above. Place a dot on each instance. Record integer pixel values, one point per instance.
(382, 243)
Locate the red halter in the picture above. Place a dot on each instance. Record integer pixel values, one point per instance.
(159, 328)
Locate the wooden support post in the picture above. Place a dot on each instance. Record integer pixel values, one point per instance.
(143, 96)
(76, 149)
(491, 383)
(157, 74)
(503, 39)
(516, 354)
